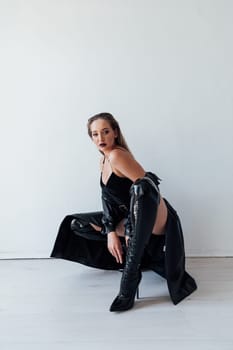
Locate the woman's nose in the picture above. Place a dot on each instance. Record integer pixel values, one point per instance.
(101, 137)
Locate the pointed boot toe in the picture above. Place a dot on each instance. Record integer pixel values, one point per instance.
(122, 303)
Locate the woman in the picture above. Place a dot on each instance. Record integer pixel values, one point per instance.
(137, 228)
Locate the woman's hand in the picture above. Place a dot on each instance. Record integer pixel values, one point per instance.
(114, 246)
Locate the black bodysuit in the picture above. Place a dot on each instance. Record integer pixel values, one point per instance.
(115, 201)
(117, 186)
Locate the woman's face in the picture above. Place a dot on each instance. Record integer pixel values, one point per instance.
(103, 135)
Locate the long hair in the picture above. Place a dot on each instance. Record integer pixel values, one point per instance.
(120, 140)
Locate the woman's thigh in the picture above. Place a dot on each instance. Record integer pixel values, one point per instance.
(92, 218)
(161, 218)
(120, 228)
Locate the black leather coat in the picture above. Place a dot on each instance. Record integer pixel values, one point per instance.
(164, 254)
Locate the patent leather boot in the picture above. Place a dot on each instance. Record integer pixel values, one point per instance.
(128, 288)
(143, 209)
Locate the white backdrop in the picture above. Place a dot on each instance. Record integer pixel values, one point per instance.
(163, 68)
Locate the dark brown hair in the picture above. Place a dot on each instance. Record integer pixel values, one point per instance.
(120, 140)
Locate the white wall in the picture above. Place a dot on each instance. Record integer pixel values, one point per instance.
(163, 68)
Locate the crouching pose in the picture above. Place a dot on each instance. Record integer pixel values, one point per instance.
(137, 229)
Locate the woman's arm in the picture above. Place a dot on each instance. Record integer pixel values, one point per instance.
(123, 164)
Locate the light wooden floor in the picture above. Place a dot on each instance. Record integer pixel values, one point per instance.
(56, 304)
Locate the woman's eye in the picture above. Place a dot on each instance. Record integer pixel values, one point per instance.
(106, 132)
(94, 135)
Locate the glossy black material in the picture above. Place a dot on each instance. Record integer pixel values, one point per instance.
(115, 201)
(163, 254)
(125, 299)
(144, 203)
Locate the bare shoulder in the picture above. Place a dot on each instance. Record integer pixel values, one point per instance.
(120, 154)
(124, 164)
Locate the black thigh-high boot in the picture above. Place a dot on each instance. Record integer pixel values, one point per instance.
(143, 209)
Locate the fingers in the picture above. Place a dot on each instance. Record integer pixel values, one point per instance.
(117, 255)
(114, 247)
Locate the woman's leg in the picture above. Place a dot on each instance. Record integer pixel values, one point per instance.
(94, 220)
(82, 244)
(95, 227)
(88, 225)
(145, 199)
(120, 229)
(161, 218)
